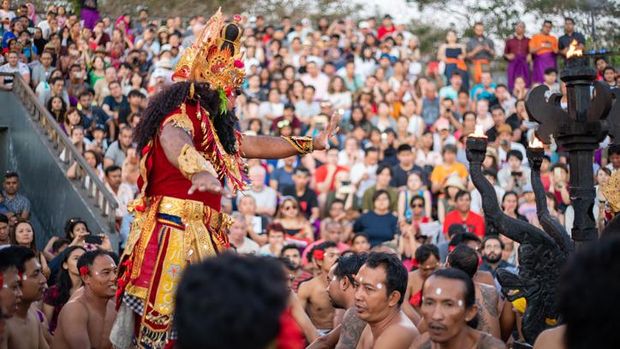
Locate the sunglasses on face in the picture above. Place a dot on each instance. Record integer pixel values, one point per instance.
(417, 205)
(288, 208)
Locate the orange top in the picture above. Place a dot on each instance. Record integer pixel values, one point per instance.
(544, 43)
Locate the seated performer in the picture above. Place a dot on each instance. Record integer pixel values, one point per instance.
(189, 151)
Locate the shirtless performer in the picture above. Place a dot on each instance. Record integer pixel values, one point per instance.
(26, 330)
(312, 294)
(342, 296)
(10, 292)
(487, 298)
(428, 261)
(449, 308)
(380, 287)
(86, 320)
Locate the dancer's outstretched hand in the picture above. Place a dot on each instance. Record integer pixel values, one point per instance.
(321, 142)
(205, 181)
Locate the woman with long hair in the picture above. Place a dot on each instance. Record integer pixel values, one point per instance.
(415, 187)
(71, 119)
(58, 108)
(97, 70)
(23, 235)
(294, 222)
(67, 282)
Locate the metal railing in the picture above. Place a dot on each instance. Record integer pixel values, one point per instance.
(67, 154)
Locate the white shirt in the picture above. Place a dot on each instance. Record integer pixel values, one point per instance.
(320, 83)
(358, 171)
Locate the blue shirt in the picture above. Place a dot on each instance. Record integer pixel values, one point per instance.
(378, 228)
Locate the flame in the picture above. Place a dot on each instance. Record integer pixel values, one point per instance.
(535, 143)
(478, 133)
(573, 51)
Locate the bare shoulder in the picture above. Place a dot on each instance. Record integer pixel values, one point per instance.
(421, 342)
(73, 314)
(489, 342)
(552, 338)
(398, 336)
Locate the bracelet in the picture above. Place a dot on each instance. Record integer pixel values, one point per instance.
(191, 162)
(303, 145)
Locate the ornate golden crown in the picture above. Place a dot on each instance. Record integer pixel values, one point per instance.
(215, 56)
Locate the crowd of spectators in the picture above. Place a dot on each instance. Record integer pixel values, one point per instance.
(396, 176)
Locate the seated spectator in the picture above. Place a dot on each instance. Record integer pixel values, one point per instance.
(364, 173)
(14, 66)
(272, 108)
(42, 71)
(415, 187)
(5, 238)
(135, 103)
(378, 224)
(292, 255)
(298, 229)
(333, 231)
(117, 151)
(384, 177)
(265, 196)
(71, 119)
(86, 321)
(15, 203)
(275, 240)
(114, 103)
(463, 215)
(427, 257)
(68, 283)
(300, 190)
(238, 236)
(58, 108)
(92, 116)
(55, 88)
(448, 167)
(287, 118)
(23, 235)
(515, 176)
(485, 89)
(282, 177)
(506, 144)
(325, 175)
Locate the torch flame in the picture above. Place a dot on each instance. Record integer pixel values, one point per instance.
(573, 51)
(478, 133)
(535, 143)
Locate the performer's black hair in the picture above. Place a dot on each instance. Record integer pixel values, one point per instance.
(396, 273)
(588, 295)
(171, 98)
(230, 301)
(470, 291)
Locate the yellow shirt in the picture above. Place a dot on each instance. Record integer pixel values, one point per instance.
(441, 172)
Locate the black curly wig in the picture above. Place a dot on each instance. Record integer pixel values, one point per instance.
(171, 98)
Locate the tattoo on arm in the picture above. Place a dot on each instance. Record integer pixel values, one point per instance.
(352, 328)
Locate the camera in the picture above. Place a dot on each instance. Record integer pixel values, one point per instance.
(516, 173)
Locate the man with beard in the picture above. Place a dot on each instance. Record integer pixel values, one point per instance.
(86, 320)
(291, 253)
(312, 293)
(492, 247)
(25, 330)
(449, 308)
(380, 287)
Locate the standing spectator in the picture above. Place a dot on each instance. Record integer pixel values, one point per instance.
(379, 224)
(463, 215)
(570, 34)
(516, 52)
(480, 51)
(452, 53)
(543, 47)
(15, 202)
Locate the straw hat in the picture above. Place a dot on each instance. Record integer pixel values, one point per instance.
(455, 181)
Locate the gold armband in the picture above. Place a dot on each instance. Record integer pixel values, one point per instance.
(303, 145)
(191, 162)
